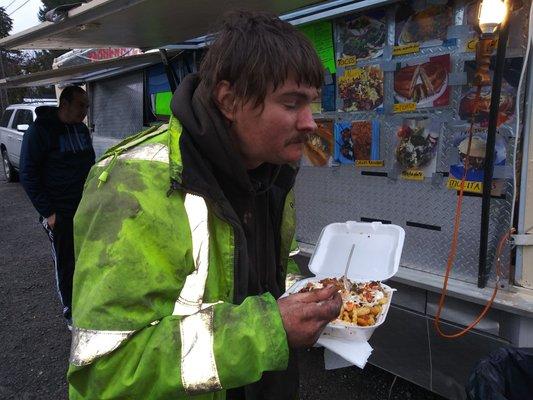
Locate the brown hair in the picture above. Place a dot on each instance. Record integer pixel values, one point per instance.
(253, 50)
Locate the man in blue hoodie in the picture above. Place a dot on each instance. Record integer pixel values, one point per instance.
(56, 157)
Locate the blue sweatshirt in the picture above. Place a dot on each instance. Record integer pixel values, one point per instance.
(54, 162)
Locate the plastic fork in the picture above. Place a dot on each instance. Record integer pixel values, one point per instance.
(344, 279)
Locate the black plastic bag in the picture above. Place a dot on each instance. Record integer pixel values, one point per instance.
(506, 374)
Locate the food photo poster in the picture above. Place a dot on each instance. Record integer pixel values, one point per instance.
(423, 24)
(506, 109)
(476, 162)
(423, 83)
(357, 142)
(360, 89)
(416, 147)
(360, 37)
(318, 149)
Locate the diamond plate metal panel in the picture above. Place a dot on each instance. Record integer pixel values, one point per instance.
(327, 195)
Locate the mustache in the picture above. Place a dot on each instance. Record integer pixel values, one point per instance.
(298, 139)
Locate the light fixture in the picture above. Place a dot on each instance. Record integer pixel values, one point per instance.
(491, 14)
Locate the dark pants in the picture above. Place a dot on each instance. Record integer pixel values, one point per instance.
(62, 240)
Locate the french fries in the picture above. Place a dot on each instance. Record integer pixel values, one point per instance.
(362, 304)
(359, 315)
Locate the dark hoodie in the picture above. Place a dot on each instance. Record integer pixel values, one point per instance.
(55, 160)
(251, 201)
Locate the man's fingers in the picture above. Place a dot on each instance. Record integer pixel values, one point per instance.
(325, 310)
(328, 310)
(315, 296)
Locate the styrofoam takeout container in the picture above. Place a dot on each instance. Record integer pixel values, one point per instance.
(376, 257)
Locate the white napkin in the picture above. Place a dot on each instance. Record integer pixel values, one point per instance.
(341, 353)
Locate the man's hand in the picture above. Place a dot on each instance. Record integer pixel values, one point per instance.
(51, 221)
(305, 315)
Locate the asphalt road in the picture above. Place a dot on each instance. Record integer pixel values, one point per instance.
(35, 340)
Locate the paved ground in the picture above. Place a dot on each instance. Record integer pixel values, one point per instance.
(35, 340)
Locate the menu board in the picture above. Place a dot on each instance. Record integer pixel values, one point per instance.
(416, 149)
(356, 90)
(360, 89)
(321, 35)
(318, 150)
(423, 83)
(426, 26)
(360, 37)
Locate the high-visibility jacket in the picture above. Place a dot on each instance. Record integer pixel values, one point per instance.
(152, 300)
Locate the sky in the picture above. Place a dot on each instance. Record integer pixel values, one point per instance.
(25, 17)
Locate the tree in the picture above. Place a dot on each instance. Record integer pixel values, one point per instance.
(6, 23)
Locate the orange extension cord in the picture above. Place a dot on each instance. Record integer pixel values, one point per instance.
(453, 248)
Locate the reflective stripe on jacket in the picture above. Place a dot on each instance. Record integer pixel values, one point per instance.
(154, 283)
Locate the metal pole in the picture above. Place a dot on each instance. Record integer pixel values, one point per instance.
(171, 76)
(484, 268)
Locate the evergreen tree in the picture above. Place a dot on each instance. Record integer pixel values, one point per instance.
(6, 23)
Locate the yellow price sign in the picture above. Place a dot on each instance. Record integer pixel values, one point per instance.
(404, 107)
(354, 73)
(369, 163)
(471, 45)
(413, 175)
(406, 49)
(469, 186)
(347, 61)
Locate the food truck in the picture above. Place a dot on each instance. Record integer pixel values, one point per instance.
(409, 134)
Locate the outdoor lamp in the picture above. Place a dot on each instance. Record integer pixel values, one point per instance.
(491, 15)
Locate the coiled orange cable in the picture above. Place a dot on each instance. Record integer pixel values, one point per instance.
(453, 248)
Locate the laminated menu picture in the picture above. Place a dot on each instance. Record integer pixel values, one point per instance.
(423, 83)
(365, 139)
(357, 141)
(360, 89)
(416, 148)
(427, 26)
(480, 113)
(360, 37)
(476, 162)
(318, 150)
(344, 153)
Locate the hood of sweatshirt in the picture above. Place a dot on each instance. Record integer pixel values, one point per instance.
(209, 132)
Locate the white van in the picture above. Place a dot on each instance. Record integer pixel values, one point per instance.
(15, 121)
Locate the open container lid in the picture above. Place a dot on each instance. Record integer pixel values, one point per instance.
(376, 256)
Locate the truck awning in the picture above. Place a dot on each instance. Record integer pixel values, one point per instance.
(144, 24)
(149, 24)
(83, 73)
